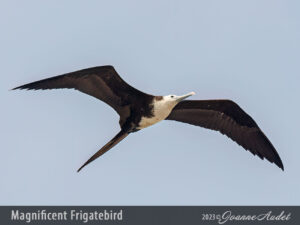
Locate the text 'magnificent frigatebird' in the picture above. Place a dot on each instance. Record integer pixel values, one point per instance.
(138, 110)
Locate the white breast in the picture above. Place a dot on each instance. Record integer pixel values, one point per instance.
(161, 110)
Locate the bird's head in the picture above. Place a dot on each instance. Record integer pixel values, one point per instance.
(175, 99)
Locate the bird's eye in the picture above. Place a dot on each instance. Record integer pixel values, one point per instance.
(172, 96)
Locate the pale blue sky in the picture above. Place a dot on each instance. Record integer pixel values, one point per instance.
(247, 51)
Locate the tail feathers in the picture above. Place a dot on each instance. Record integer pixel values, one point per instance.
(119, 137)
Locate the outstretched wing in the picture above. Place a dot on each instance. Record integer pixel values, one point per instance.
(228, 118)
(119, 137)
(101, 82)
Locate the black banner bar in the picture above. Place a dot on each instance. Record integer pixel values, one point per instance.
(146, 215)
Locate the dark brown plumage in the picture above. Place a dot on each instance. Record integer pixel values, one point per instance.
(105, 84)
(119, 137)
(228, 118)
(138, 110)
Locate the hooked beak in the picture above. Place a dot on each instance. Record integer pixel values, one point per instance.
(180, 98)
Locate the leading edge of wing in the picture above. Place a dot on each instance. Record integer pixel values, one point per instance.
(229, 119)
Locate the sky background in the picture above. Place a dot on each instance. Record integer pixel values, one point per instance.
(247, 51)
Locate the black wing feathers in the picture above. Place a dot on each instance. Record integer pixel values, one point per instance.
(228, 118)
(101, 82)
(226, 107)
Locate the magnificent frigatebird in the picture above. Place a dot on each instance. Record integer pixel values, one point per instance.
(139, 110)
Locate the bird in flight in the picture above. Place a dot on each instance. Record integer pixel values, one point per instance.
(138, 110)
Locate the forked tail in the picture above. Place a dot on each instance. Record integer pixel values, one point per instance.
(119, 137)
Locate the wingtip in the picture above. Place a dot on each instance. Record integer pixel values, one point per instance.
(14, 89)
(280, 165)
(19, 88)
